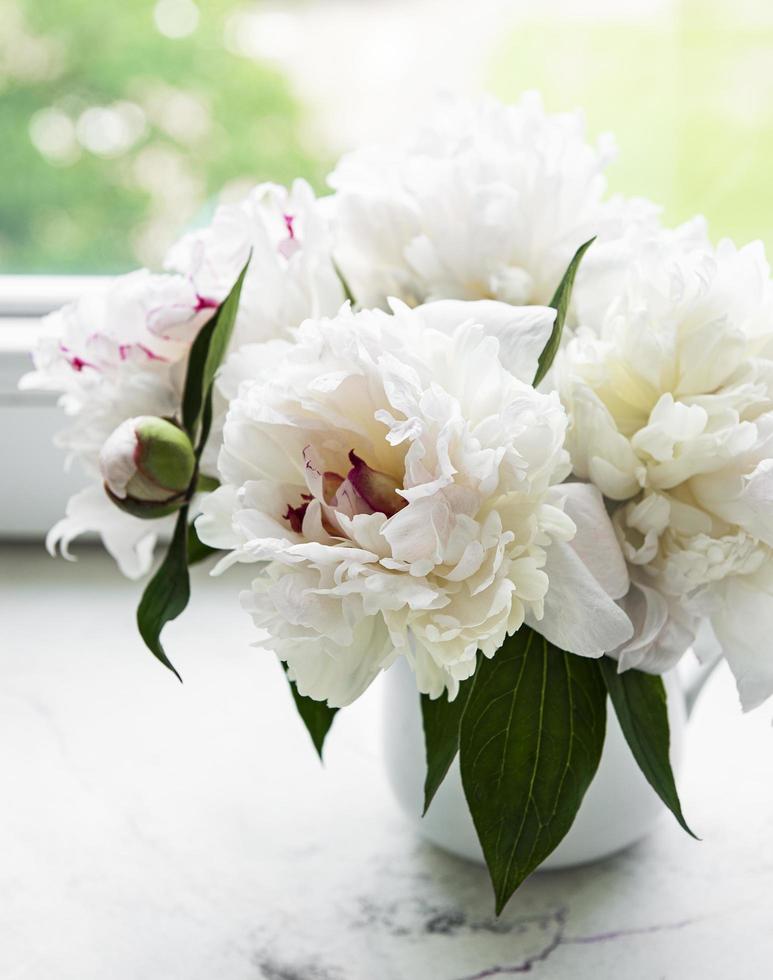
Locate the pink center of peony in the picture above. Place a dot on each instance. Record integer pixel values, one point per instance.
(362, 491)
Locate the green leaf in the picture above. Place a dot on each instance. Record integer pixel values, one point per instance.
(197, 550)
(193, 391)
(442, 721)
(167, 593)
(206, 355)
(206, 424)
(639, 701)
(221, 336)
(531, 740)
(560, 303)
(206, 484)
(316, 715)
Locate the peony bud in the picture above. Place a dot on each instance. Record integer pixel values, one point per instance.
(148, 465)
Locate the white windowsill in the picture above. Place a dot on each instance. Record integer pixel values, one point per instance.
(29, 296)
(34, 486)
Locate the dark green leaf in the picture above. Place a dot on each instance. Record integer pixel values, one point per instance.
(206, 355)
(442, 721)
(639, 701)
(560, 304)
(193, 390)
(197, 550)
(316, 715)
(206, 423)
(167, 593)
(531, 740)
(221, 336)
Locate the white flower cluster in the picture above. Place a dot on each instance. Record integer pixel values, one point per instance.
(671, 399)
(389, 467)
(115, 355)
(123, 352)
(484, 202)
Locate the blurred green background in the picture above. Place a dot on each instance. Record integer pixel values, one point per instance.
(123, 120)
(124, 124)
(687, 92)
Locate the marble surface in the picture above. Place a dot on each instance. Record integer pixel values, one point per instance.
(187, 832)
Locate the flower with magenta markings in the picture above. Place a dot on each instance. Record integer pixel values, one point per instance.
(671, 403)
(398, 474)
(122, 352)
(115, 355)
(291, 276)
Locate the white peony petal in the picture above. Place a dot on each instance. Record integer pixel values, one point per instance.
(579, 615)
(662, 631)
(595, 541)
(743, 626)
(128, 539)
(214, 525)
(323, 669)
(522, 331)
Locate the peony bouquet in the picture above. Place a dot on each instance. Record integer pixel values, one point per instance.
(467, 410)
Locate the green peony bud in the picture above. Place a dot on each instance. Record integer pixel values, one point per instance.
(148, 464)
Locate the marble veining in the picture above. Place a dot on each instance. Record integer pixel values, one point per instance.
(187, 832)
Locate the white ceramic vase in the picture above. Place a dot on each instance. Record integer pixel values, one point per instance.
(619, 808)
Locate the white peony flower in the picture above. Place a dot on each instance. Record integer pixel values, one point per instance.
(484, 201)
(397, 473)
(291, 274)
(123, 353)
(112, 357)
(671, 403)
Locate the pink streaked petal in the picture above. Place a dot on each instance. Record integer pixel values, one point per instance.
(291, 245)
(76, 363)
(164, 320)
(124, 350)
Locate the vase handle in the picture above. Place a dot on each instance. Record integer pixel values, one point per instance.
(694, 675)
(696, 669)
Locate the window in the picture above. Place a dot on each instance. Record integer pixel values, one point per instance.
(126, 125)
